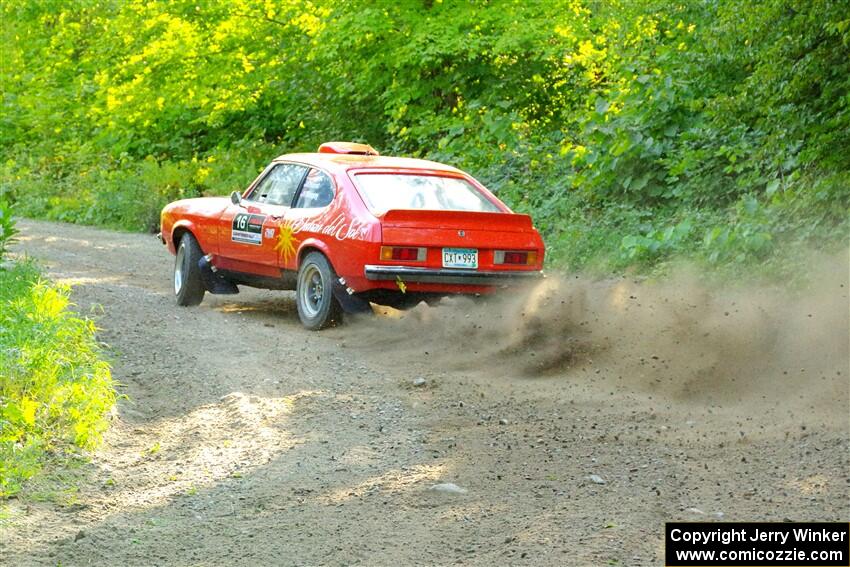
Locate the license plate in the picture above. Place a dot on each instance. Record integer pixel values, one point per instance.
(460, 258)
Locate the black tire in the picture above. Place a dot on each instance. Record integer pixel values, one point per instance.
(188, 286)
(317, 306)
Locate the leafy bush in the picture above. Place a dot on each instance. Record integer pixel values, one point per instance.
(55, 389)
(7, 226)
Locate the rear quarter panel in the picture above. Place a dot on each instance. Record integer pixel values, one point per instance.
(346, 233)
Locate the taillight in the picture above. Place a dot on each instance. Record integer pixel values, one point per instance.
(403, 253)
(523, 258)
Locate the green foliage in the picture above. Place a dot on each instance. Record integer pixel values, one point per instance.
(55, 389)
(634, 131)
(7, 226)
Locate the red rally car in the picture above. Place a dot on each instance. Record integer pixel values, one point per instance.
(344, 227)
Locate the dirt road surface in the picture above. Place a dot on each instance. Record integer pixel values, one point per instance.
(577, 418)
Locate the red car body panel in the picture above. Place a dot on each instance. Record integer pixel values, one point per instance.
(270, 240)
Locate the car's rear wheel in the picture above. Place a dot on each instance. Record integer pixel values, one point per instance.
(188, 286)
(317, 307)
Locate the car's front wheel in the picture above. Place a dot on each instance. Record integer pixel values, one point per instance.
(317, 307)
(188, 286)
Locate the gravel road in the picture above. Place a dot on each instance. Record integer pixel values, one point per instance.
(574, 419)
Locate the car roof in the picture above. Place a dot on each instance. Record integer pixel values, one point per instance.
(344, 162)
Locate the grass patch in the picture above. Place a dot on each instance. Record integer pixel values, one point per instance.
(55, 387)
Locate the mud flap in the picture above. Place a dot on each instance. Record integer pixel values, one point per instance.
(349, 302)
(213, 281)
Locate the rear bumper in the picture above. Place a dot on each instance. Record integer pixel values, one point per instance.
(448, 275)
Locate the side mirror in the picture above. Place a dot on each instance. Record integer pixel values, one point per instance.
(236, 198)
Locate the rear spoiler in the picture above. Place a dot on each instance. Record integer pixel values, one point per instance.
(457, 219)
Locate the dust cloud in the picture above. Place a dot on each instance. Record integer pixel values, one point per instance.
(681, 340)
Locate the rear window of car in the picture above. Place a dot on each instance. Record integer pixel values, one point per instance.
(386, 191)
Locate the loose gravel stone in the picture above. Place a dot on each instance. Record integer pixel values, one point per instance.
(448, 488)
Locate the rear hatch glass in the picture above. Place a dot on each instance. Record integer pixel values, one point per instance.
(387, 191)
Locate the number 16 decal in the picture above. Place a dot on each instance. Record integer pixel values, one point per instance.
(247, 229)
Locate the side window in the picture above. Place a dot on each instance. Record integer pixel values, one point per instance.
(318, 191)
(279, 185)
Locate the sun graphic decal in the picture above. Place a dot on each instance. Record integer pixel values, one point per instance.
(286, 241)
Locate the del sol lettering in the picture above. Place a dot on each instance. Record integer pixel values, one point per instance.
(339, 228)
